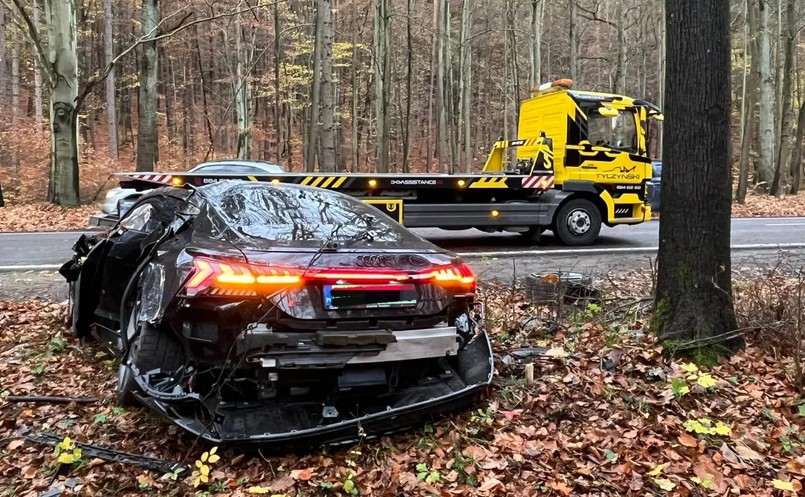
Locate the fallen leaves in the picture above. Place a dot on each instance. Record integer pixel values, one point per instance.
(45, 217)
(579, 429)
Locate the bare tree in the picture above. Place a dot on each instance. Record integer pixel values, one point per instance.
(786, 132)
(382, 73)
(38, 117)
(751, 79)
(3, 61)
(537, 10)
(315, 98)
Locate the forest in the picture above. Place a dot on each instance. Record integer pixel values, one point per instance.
(351, 85)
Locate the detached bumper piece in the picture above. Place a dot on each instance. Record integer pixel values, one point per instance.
(352, 413)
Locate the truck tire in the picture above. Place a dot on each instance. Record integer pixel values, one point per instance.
(577, 222)
(151, 349)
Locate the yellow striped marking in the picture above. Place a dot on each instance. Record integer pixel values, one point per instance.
(252, 178)
(489, 183)
(307, 180)
(317, 181)
(327, 182)
(339, 181)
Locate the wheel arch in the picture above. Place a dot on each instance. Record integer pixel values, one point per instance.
(590, 194)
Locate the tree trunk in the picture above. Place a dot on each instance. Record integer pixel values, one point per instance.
(147, 127)
(63, 61)
(382, 68)
(111, 103)
(466, 76)
(537, 7)
(786, 130)
(243, 95)
(3, 68)
(15, 102)
(694, 293)
(278, 121)
(573, 42)
(312, 145)
(661, 73)
(620, 68)
(441, 93)
(406, 129)
(796, 160)
(38, 115)
(355, 85)
(429, 151)
(765, 167)
(328, 128)
(749, 99)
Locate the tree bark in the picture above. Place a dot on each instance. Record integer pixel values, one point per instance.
(694, 293)
(355, 84)
(573, 42)
(620, 68)
(328, 128)
(786, 130)
(466, 77)
(243, 94)
(765, 167)
(796, 160)
(63, 62)
(749, 99)
(111, 102)
(382, 69)
(537, 7)
(311, 149)
(147, 127)
(441, 93)
(429, 152)
(661, 73)
(406, 128)
(38, 115)
(3, 67)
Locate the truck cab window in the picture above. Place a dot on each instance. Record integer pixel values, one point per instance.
(617, 132)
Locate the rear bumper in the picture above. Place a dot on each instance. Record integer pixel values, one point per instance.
(278, 425)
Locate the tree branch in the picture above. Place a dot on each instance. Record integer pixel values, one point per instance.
(33, 34)
(182, 25)
(592, 15)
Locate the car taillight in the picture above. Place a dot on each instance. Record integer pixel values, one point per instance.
(226, 278)
(238, 279)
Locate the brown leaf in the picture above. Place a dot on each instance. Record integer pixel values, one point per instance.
(490, 484)
(746, 453)
(477, 453)
(15, 444)
(281, 484)
(560, 486)
(688, 441)
(302, 474)
(729, 455)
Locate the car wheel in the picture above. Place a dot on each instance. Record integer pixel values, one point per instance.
(577, 222)
(151, 348)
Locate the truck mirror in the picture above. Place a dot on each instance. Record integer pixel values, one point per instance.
(608, 112)
(658, 117)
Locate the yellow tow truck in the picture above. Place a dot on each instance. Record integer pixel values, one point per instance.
(582, 160)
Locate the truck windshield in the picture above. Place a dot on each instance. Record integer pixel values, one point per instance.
(614, 132)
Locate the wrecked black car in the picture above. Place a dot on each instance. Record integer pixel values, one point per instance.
(279, 314)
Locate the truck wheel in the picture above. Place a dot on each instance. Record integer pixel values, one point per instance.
(577, 222)
(151, 349)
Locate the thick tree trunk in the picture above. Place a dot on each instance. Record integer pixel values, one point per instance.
(38, 114)
(661, 74)
(406, 128)
(765, 167)
(111, 103)
(382, 68)
(311, 149)
(786, 131)
(796, 160)
(147, 128)
(694, 293)
(537, 7)
(328, 129)
(63, 61)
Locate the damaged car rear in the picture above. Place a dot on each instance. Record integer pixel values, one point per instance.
(279, 314)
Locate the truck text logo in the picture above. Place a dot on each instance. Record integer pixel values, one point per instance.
(410, 182)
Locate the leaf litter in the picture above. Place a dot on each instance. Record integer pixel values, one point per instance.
(586, 426)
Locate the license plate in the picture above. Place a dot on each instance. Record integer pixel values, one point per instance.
(369, 296)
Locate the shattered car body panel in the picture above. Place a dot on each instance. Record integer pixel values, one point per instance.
(279, 314)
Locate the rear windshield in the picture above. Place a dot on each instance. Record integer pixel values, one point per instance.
(297, 216)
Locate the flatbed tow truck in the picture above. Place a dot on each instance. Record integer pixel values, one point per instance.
(582, 160)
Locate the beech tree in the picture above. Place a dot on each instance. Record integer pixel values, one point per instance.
(694, 305)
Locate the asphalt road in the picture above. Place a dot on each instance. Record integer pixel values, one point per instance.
(45, 250)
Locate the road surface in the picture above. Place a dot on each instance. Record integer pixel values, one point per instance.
(50, 249)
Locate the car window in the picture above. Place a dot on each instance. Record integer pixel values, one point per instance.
(290, 215)
(141, 218)
(237, 169)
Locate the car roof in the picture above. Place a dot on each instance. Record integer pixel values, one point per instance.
(266, 166)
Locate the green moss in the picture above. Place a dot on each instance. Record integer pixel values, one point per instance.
(660, 315)
(707, 356)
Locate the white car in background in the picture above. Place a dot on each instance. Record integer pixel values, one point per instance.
(235, 166)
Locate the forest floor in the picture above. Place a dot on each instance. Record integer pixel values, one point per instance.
(42, 216)
(608, 414)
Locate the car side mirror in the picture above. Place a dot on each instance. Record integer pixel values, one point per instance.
(608, 112)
